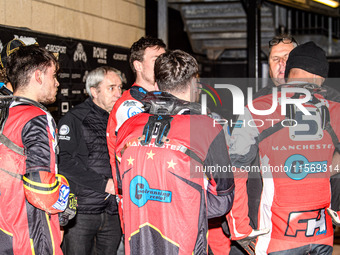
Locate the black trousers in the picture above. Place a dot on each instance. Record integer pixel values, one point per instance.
(92, 234)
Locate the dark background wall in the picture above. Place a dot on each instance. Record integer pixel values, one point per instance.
(178, 39)
(76, 58)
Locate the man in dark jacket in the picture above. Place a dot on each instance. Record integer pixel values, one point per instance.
(84, 159)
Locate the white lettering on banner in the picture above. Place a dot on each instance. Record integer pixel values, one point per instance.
(64, 75)
(76, 75)
(26, 39)
(121, 57)
(99, 53)
(102, 61)
(56, 48)
(64, 92)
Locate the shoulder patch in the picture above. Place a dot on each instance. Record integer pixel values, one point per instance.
(133, 111)
(64, 130)
(128, 109)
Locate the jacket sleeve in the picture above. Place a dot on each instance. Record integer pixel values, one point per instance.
(46, 191)
(43, 188)
(243, 151)
(220, 188)
(111, 145)
(73, 155)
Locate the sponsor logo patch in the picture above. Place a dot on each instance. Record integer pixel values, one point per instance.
(63, 198)
(140, 192)
(132, 111)
(64, 130)
(299, 167)
(311, 223)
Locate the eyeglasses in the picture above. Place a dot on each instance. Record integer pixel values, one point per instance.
(286, 40)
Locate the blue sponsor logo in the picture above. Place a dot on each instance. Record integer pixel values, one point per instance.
(297, 167)
(140, 192)
(142, 90)
(63, 198)
(132, 111)
(321, 232)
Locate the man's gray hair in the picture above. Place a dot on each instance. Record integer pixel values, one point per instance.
(282, 38)
(96, 76)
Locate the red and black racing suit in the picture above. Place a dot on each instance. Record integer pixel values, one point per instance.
(31, 191)
(171, 189)
(295, 165)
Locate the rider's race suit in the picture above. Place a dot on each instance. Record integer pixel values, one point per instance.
(31, 191)
(164, 158)
(295, 160)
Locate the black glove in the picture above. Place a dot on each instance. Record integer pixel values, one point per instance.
(70, 211)
(248, 243)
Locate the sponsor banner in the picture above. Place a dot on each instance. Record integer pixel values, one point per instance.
(77, 58)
